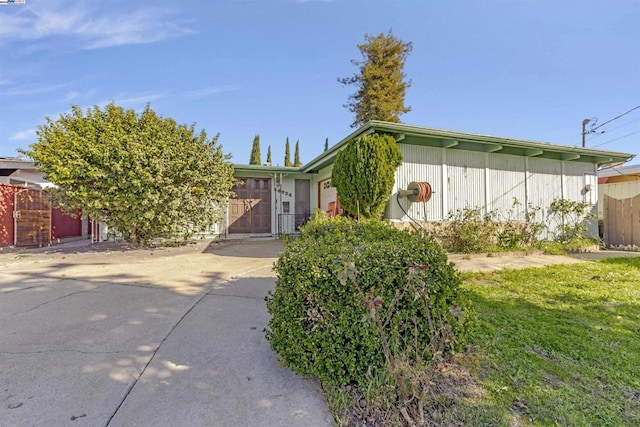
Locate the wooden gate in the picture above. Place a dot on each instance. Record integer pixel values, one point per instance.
(32, 218)
(621, 221)
(250, 210)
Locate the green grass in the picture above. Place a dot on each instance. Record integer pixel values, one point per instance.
(557, 345)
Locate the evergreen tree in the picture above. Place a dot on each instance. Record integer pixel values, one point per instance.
(364, 173)
(296, 157)
(287, 154)
(326, 144)
(255, 152)
(269, 155)
(379, 81)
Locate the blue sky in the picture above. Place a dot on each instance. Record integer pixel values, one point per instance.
(524, 69)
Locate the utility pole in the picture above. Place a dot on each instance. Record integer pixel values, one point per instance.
(584, 131)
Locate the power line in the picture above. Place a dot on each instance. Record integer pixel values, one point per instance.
(615, 118)
(613, 129)
(615, 139)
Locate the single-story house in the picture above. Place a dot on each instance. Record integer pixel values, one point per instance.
(619, 205)
(464, 170)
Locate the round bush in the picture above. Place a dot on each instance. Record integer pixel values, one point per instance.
(329, 277)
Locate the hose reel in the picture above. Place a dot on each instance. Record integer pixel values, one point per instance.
(417, 192)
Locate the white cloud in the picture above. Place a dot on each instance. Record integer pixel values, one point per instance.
(138, 99)
(135, 101)
(72, 95)
(37, 89)
(91, 27)
(206, 91)
(23, 135)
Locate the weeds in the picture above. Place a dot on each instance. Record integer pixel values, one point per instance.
(407, 391)
(469, 230)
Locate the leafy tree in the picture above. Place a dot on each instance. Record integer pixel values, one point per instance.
(287, 154)
(380, 80)
(144, 175)
(255, 152)
(296, 156)
(269, 155)
(364, 173)
(326, 144)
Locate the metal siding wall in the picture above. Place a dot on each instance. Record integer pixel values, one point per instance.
(544, 185)
(507, 185)
(574, 180)
(465, 180)
(420, 164)
(574, 188)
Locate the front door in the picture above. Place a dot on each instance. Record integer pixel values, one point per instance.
(32, 213)
(250, 210)
(303, 202)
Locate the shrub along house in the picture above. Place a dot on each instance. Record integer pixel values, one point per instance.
(508, 176)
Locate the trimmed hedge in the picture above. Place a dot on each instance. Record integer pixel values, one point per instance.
(321, 322)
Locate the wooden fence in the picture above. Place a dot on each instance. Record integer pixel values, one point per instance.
(621, 221)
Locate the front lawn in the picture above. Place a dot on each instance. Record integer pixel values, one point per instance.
(556, 346)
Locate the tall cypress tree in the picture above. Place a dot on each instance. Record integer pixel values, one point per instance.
(269, 155)
(380, 81)
(296, 157)
(326, 144)
(255, 152)
(287, 154)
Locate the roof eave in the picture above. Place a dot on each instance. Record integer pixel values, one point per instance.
(526, 148)
(266, 169)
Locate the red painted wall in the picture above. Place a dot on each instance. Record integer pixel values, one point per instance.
(63, 225)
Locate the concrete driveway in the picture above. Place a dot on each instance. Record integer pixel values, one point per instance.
(170, 337)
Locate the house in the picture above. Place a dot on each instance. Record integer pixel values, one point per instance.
(21, 172)
(464, 170)
(619, 206)
(26, 216)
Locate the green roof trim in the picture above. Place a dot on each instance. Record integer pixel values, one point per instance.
(454, 140)
(265, 169)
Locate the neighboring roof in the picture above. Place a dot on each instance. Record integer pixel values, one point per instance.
(10, 165)
(414, 135)
(620, 171)
(16, 163)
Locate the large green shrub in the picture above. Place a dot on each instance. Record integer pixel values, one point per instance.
(144, 175)
(336, 274)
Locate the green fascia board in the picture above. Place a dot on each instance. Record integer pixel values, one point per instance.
(241, 170)
(454, 140)
(325, 159)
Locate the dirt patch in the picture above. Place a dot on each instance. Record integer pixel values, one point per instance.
(441, 389)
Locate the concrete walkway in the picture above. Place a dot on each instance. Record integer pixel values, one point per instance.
(110, 335)
(169, 337)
